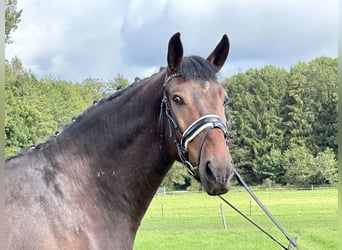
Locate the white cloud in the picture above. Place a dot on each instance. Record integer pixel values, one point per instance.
(139, 12)
(76, 39)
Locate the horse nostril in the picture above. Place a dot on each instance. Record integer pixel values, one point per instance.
(208, 170)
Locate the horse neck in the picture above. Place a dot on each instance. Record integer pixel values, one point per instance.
(117, 150)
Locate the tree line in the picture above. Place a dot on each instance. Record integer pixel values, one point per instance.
(282, 124)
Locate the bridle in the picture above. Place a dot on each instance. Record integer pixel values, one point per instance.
(203, 124)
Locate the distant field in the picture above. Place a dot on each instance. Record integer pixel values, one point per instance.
(193, 221)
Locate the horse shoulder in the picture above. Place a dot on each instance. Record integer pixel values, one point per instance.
(36, 210)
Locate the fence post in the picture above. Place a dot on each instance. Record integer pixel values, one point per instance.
(223, 217)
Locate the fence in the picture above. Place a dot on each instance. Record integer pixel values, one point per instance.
(164, 191)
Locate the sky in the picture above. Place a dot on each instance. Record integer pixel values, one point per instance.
(76, 39)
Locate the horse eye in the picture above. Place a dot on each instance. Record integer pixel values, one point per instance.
(225, 102)
(178, 100)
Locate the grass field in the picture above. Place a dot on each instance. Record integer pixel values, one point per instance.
(193, 221)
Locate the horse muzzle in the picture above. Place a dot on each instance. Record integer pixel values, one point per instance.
(216, 177)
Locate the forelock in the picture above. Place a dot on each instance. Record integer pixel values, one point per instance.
(197, 68)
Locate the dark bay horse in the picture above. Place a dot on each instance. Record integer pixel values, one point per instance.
(89, 186)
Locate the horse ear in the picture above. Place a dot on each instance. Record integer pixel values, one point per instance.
(174, 53)
(220, 53)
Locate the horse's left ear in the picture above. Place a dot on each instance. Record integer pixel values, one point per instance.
(220, 53)
(174, 53)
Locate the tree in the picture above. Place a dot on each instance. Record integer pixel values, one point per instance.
(12, 17)
(117, 83)
(321, 100)
(299, 165)
(253, 115)
(93, 89)
(309, 110)
(177, 176)
(326, 171)
(237, 112)
(26, 120)
(271, 167)
(302, 168)
(294, 112)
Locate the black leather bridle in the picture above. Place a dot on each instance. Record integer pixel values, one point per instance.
(203, 124)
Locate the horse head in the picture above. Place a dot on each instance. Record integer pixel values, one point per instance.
(194, 104)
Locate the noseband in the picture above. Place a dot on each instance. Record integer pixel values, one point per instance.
(204, 123)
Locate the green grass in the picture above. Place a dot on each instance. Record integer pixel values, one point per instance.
(193, 221)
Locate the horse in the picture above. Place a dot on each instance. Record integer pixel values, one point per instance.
(89, 186)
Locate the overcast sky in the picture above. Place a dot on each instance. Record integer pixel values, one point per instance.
(76, 39)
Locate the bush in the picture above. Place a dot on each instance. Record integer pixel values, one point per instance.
(302, 168)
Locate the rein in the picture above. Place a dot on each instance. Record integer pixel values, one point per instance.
(204, 123)
(292, 241)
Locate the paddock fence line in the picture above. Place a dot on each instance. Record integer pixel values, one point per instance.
(165, 191)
